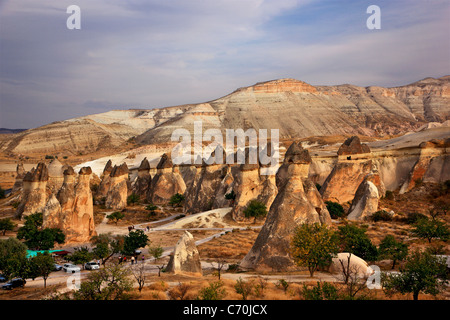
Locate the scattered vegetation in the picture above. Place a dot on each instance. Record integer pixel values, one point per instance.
(244, 288)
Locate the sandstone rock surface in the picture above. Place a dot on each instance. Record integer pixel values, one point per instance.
(291, 207)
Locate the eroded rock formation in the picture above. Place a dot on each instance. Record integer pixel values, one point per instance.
(433, 164)
(55, 175)
(354, 163)
(20, 174)
(117, 195)
(34, 194)
(296, 203)
(104, 185)
(366, 198)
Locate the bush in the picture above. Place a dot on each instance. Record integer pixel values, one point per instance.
(381, 215)
(335, 209)
(325, 291)
(214, 291)
(355, 240)
(389, 195)
(176, 200)
(318, 186)
(133, 199)
(244, 288)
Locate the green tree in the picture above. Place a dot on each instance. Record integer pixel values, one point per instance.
(133, 199)
(176, 200)
(152, 208)
(255, 209)
(335, 209)
(423, 272)
(214, 291)
(42, 265)
(81, 255)
(110, 283)
(106, 245)
(355, 240)
(39, 238)
(392, 249)
(313, 246)
(13, 258)
(134, 240)
(115, 216)
(6, 225)
(430, 229)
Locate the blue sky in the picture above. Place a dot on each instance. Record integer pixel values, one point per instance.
(148, 54)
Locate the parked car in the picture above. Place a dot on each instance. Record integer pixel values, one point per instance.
(2, 278)
(14, 283)
(91, 266)
(57, 267)
(68, 267)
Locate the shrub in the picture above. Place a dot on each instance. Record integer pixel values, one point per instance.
(230, 196)
(176, 200)
(214, 291)
(413, 217)
(389, 195)
(133, 199)
(318, 186)
(335, 209)
(381, 215)
(116, 216)
(244, 288)
(325, 291)
(255, 209)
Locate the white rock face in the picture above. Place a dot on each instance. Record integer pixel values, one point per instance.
(365, 202)
(185, 258)
(357, 265)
